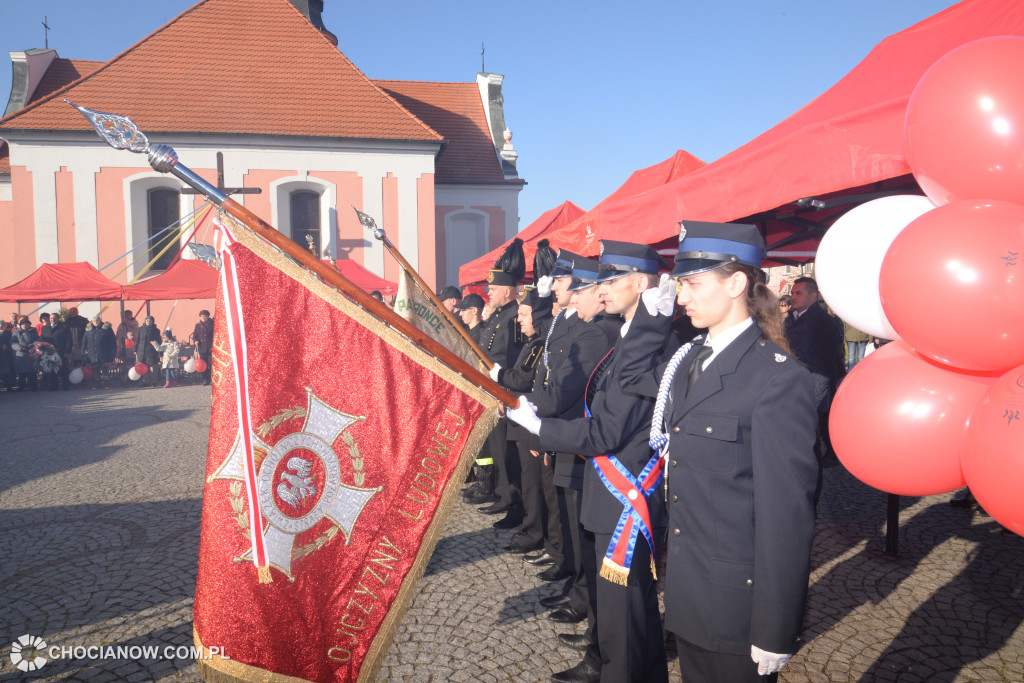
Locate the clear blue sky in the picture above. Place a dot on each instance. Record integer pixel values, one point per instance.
(593, 90)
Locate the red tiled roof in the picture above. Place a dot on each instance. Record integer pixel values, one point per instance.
(60, 73)
(456, 112)
(233, 66)
(5, 159)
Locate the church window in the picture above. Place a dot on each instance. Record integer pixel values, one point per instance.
(164, 210)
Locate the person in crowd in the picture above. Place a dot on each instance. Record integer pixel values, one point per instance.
(169, 351)
(145, 337)
(93, 348)
(470, 311)
(22, 340)
(44, 328)
(449, 296)
(127, 353)
(202, 336)
(15, 317)
(785, 305)
(6, 357)
(741, 466)
(816, 339)
(856, 344)
(614, 438)
(61, 340)
(76, 324)
(128, 324)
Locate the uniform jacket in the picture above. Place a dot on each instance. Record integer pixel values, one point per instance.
(574, 350)
(619, 424)
(500, 337)
(741, 481)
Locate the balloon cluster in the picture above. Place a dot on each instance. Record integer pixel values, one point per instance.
(943, 275)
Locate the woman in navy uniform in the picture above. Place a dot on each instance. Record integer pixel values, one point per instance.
(741, 467)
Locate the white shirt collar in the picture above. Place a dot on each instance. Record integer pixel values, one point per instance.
(569, 312)
(723, 339)
(625, 328)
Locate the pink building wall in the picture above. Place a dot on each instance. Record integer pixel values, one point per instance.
(65, 187)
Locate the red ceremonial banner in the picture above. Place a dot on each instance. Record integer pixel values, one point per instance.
(356, 436)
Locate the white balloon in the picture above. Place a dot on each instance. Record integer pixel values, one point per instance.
(132, 375)
(190, 365)
(849, 259)
(76, 376)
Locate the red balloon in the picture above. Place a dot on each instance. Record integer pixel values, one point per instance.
(87, 372)
(993, 461)
(952, 285)
(200, 365)
(965, 123)
(899, 422)
(141, 368)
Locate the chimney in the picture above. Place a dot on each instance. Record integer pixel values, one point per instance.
(313, 9)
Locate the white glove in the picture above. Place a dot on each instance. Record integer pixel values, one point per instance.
(768, 662)
(544, 285)
(494, 372)
(660, 300)
(525, 414)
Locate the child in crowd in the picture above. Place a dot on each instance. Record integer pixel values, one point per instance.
(170, 351)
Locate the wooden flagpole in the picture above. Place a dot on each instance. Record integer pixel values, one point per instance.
(121, 133)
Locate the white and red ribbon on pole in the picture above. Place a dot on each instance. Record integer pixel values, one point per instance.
(239, 356)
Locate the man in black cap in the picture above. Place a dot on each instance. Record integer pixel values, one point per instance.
(471, 310)
(502, 340)
(737, 428)
(613, 437)
(450, 296)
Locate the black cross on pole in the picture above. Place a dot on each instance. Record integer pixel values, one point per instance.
(220, 182)
(46, 33)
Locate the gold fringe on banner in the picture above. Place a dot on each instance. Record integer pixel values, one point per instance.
(264, 574)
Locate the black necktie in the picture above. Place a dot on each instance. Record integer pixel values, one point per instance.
(698, 367)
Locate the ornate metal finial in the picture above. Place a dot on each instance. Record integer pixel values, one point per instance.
(119, 131)
(205, 253)
(370, 224)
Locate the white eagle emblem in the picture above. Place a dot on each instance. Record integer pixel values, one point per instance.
(296, 485)
(682, 232)
(779, 358)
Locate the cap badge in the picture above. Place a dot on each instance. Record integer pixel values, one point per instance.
(779, 358)
(682, 232)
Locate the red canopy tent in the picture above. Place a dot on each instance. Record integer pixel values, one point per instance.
(63, 282)
(843, 148)
(186, 279)
(364, 279)
(553, 219)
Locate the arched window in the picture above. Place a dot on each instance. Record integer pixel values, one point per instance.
(164, 210)
(305, 219)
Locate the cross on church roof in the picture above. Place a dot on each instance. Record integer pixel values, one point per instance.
(220, 182)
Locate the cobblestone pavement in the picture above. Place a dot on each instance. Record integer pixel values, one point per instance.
(99, 529)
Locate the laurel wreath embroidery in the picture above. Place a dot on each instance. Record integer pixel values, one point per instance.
(281, 415)
(238, 502)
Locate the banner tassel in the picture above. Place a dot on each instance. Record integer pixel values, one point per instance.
(614, 573)
(264, 574)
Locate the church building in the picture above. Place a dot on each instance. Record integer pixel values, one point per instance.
(302, 131)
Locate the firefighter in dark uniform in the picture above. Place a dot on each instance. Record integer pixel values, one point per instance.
(741, 470)
(614, 438)
(534, 319)
(502, 340)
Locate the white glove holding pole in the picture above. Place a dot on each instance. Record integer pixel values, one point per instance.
(661, 300)
(768, 662)
(525, 414)
(494, 372)
(544, 285)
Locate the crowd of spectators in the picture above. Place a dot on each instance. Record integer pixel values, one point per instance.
(64, 349)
